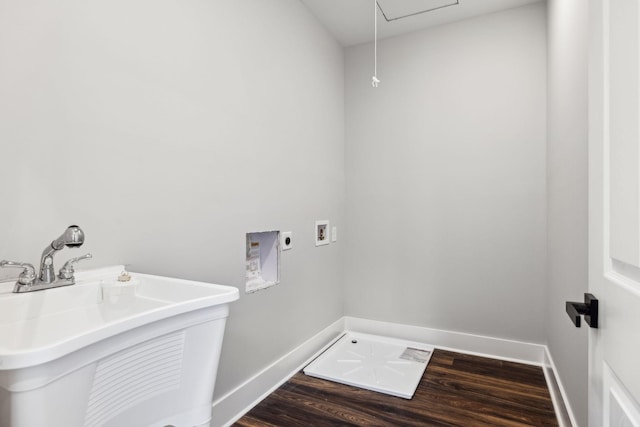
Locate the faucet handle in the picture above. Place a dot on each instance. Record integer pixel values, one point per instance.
(66, 272)
(28, 275)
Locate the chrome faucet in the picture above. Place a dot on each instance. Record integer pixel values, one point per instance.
(73, 237)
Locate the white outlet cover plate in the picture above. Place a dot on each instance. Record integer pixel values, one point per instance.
(283, 240)
(322, 232)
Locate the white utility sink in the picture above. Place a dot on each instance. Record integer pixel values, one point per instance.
(103, 353)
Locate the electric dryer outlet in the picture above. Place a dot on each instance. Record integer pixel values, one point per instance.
(286, 240)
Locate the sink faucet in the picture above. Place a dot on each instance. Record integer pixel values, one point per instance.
(73, 237)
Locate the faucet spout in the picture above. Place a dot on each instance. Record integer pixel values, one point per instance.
(72, 237)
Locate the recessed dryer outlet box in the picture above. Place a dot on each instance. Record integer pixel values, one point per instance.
(286, 240)
(322, 232)
(262, 260)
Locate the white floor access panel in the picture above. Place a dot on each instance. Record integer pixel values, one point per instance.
(381, 364)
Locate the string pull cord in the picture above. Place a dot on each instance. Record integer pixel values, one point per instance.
(374, 79)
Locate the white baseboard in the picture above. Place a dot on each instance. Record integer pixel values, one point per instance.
(230, 407)
(496, 348)
(561, 405)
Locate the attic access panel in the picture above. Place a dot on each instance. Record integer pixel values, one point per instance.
(394, 9)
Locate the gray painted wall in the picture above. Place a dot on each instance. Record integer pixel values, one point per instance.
(167, 130)
(445, 162)
(567, 149)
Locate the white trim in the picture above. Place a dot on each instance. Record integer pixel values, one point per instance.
(229, 408)
(232, 406)
(561, 405)
(496, 348)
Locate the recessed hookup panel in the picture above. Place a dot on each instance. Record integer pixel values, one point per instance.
(322, 232)
(262, 260)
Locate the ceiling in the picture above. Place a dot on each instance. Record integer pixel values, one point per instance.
(351, 21)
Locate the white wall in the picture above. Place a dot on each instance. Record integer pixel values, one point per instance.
(567, 191)
(445, 170)
(167, 129)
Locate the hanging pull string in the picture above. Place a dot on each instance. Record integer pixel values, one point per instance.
(375, 80)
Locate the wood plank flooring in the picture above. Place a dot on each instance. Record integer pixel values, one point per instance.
(456, 390)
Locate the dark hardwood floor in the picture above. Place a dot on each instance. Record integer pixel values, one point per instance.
(456, 390)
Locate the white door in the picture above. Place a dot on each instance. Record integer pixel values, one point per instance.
(614, 212)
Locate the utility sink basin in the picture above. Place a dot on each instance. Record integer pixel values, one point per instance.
(109, 353)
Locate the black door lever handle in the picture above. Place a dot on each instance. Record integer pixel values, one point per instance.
(588, 309)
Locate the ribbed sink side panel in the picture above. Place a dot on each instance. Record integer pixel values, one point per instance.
(134, 375)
